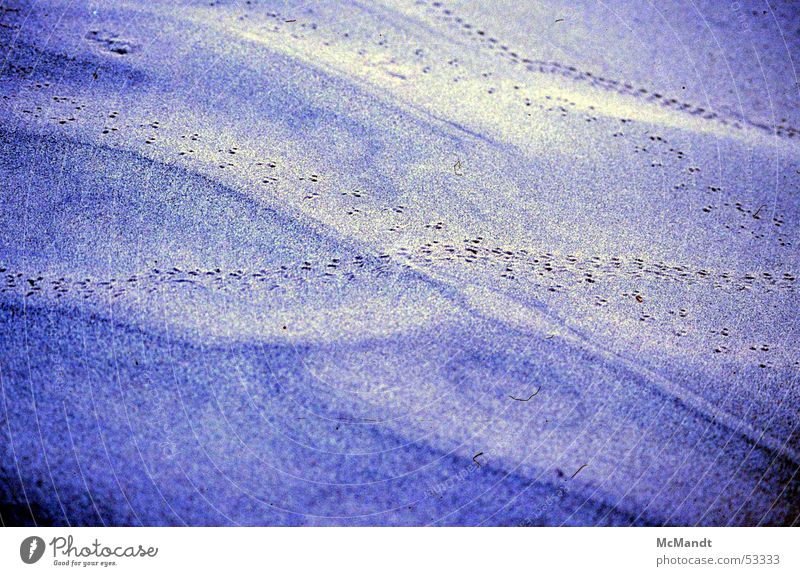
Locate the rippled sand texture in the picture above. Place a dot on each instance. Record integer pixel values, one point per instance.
(413, 262)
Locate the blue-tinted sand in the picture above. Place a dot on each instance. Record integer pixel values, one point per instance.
(399, 263)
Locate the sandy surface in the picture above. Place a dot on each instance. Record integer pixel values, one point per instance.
(399, 263)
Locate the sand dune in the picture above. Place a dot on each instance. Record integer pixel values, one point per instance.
(457, 263)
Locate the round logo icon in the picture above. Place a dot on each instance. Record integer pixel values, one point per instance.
(31, 550)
